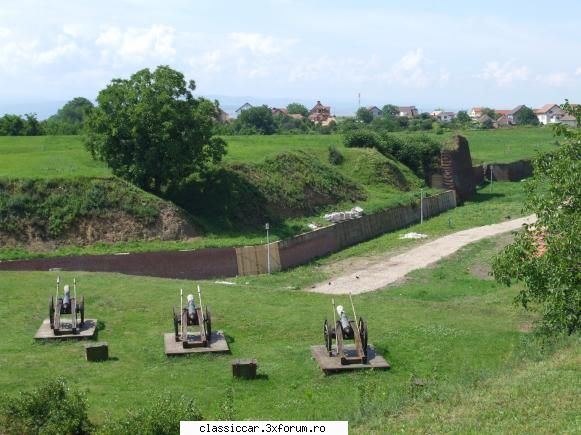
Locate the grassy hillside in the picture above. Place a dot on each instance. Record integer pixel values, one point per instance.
(539, 396)
(83, 210)
(459, 327)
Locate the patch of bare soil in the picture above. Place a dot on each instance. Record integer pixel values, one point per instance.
(111, 227)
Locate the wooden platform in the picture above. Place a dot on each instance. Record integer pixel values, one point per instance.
(88, 330)
(332, 364)
(218, 344)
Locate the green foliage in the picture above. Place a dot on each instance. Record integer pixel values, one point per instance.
(526, 116)
(151, 131)
(490, 112)
(546, 257)
(390, 111)
(53, 408)
(255, 120)
(371, 168)
(16, 125)
(420, 153)
(297, 109)
(227, 408)
(364, 115)
(487, 123)
(290, 184)
(49, 208)
(70, 118)
(362, 139)
(162, 417)
(463, 118)
(335, 156)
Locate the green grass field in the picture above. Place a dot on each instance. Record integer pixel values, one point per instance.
(64, 156)
(446, 324)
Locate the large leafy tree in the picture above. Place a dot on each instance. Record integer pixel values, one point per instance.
(258, 120)
(70, 118)
(364, 115)
(297, 109)
(546, 257)
(526, 116)
(390, 111)
(151, 130)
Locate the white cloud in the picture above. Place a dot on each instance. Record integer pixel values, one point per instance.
(578, 71)
(504, 74)
(259, 44)
(444, 75)
(18, 52)
(555, 79)
(210, 61)
(136, 44)
(343, 70)
(410, 70)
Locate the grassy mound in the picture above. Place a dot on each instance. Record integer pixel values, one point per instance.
(371, 168)
(84, 211)
(288, 185)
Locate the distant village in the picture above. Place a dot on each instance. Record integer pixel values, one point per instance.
(321, 114)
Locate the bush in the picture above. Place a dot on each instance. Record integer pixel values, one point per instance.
(161, 418)
(418, 152)
(362, 139)
(335, 156)
(52, 408)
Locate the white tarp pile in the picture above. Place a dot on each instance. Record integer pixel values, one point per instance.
(339, 216)
(413, 236)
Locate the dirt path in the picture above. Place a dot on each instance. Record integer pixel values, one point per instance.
(373, 273)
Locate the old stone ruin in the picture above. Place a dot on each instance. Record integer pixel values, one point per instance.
(456, 171)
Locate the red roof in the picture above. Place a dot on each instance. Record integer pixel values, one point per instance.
(545, 108)
(502, 111)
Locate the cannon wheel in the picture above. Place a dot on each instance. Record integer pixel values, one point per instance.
(82, 310)
(339, 338)
(176, 322)
(208, 324)
(327, 337)
(364, 336)
(51, 311)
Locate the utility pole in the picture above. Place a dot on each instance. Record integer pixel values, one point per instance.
(359, 100)
(421, 206)
(267, 227)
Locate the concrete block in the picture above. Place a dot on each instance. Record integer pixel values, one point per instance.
(97, 352)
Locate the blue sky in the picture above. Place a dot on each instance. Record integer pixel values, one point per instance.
(449, 54)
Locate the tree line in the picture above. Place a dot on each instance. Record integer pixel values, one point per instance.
(68, 120)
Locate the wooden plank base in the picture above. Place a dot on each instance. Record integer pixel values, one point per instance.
(218, 344)
(45, 332)
(332, 364)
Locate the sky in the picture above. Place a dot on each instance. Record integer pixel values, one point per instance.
(450, 54)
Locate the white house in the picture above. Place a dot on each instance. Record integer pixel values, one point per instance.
(440, 115)
(475, 112)
(375, 111)
(549, 114)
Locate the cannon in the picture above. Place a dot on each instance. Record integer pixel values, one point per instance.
(67, 306)
(345, 329)
(192, 315)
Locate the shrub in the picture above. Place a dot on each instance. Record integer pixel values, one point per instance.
(335, 156)
(52, 408)
(162, 417)
(418, 152)
(362, 139)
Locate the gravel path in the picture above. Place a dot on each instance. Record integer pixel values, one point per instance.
(377, 272)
